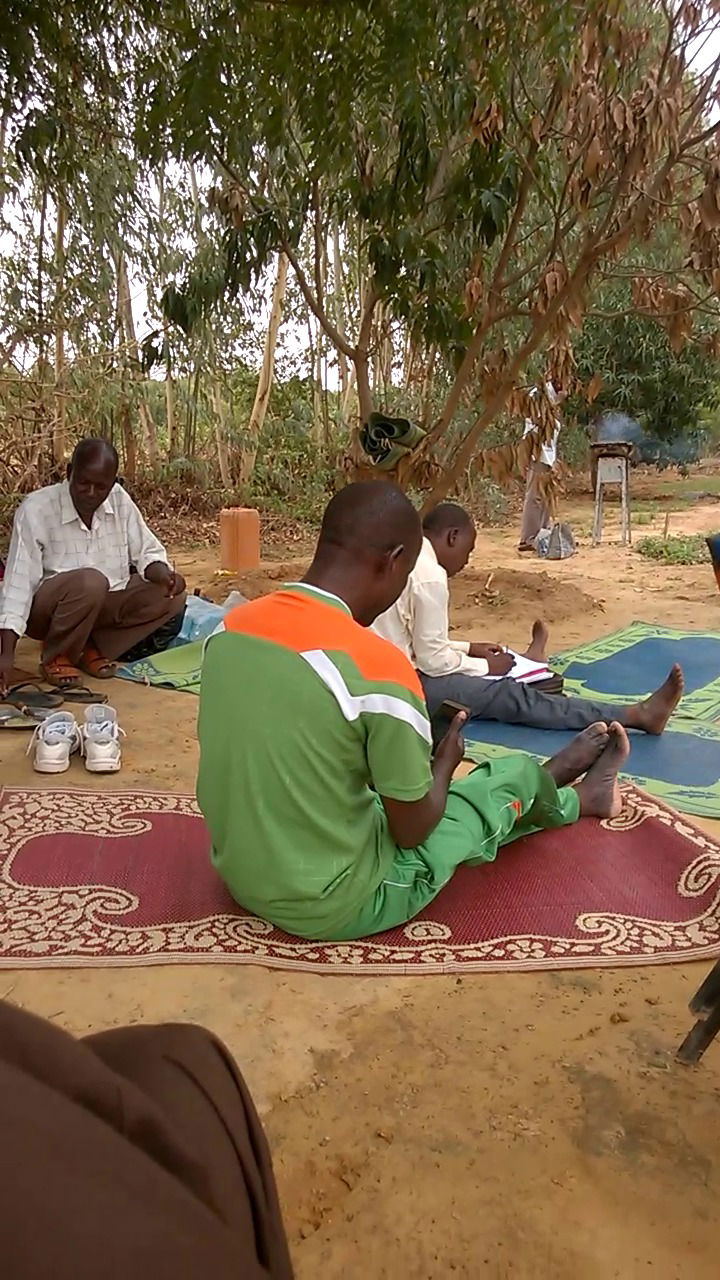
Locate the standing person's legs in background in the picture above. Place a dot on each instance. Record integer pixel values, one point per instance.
(513, 702)
(536, 513)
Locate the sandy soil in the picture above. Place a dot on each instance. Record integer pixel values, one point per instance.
(520, 1125)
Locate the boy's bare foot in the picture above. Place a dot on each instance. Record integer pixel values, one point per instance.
(576, 758)
(599, 791)
(537, 649)
(653, 714)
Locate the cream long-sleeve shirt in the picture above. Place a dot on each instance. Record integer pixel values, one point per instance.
(418, 622)
(49, 537)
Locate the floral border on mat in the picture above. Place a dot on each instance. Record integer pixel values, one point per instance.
(61, 927)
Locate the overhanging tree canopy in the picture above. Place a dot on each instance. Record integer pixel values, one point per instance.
(483, 165)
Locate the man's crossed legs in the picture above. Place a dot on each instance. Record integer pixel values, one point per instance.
(82, 623)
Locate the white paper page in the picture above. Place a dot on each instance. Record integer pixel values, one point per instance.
(526, 669)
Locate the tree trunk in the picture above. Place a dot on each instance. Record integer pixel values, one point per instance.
(349, 393)
(387, 353)
(4, 121)
(318, 397)
(339, 290)
(427, 387)
(43, 428)
(364, 390)
(127, 323)
(377, 354)
(223, 455)
(129, 443)
(264, 386)
(59, 443)
(170, 416)
(361, 357)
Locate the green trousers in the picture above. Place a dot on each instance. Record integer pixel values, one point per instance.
(498, 802)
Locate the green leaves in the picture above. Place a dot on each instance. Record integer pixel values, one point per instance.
(641, 374)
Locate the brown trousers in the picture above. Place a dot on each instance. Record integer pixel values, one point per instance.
(536, 513)
(134, 1153)
(71, 607)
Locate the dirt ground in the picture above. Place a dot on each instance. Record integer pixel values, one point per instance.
(519, 1125)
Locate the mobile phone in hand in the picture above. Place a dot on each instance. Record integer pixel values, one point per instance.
(444, 717)
(448, 710)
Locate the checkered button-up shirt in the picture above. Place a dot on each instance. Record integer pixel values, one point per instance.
(49, 537)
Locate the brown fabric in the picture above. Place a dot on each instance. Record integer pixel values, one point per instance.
(536, 513)
(71, 607)
(130, 1154)
(18, 676)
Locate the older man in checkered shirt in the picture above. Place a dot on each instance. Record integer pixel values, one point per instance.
(68, 579)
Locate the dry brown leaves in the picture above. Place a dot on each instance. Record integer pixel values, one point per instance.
(691, 15)
(505, 462)
(670, 303)
(704, 254)
(609, 135)
(493, 370)
(548, 489)
(231, 201)
(553, 284)
(486, 122)
(474, 293)
(560, 371)
(708, 206)
(711, 344)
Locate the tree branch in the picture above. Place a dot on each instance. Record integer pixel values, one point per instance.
(336, 337)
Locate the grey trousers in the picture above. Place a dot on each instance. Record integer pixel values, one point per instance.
(514, 702)
(536, 513)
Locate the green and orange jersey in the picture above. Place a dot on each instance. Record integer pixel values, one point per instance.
(302, 710)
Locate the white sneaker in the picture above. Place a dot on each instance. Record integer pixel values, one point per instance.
(54, 741)
(101, 739)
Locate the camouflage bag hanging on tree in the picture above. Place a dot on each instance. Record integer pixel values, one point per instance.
(387, 440)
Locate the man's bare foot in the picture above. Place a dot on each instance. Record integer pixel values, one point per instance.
(653, 714)
(537, 649)
(599, 791)
(576, 758)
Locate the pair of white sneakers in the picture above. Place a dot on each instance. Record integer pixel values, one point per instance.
(59, 736)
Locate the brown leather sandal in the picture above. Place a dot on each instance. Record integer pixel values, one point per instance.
(60, 672)
(95, 664)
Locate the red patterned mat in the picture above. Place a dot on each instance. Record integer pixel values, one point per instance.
(123, 878)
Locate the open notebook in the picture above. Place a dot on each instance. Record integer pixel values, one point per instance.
(525, 669)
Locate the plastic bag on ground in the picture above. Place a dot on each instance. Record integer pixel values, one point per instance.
(556, 543)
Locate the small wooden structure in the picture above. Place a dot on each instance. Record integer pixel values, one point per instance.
(706, 1005)
(611, 465)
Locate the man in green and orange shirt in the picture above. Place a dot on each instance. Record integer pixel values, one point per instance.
(328, 814)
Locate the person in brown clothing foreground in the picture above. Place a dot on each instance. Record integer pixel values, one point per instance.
(68, 579)
(133, 1153)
